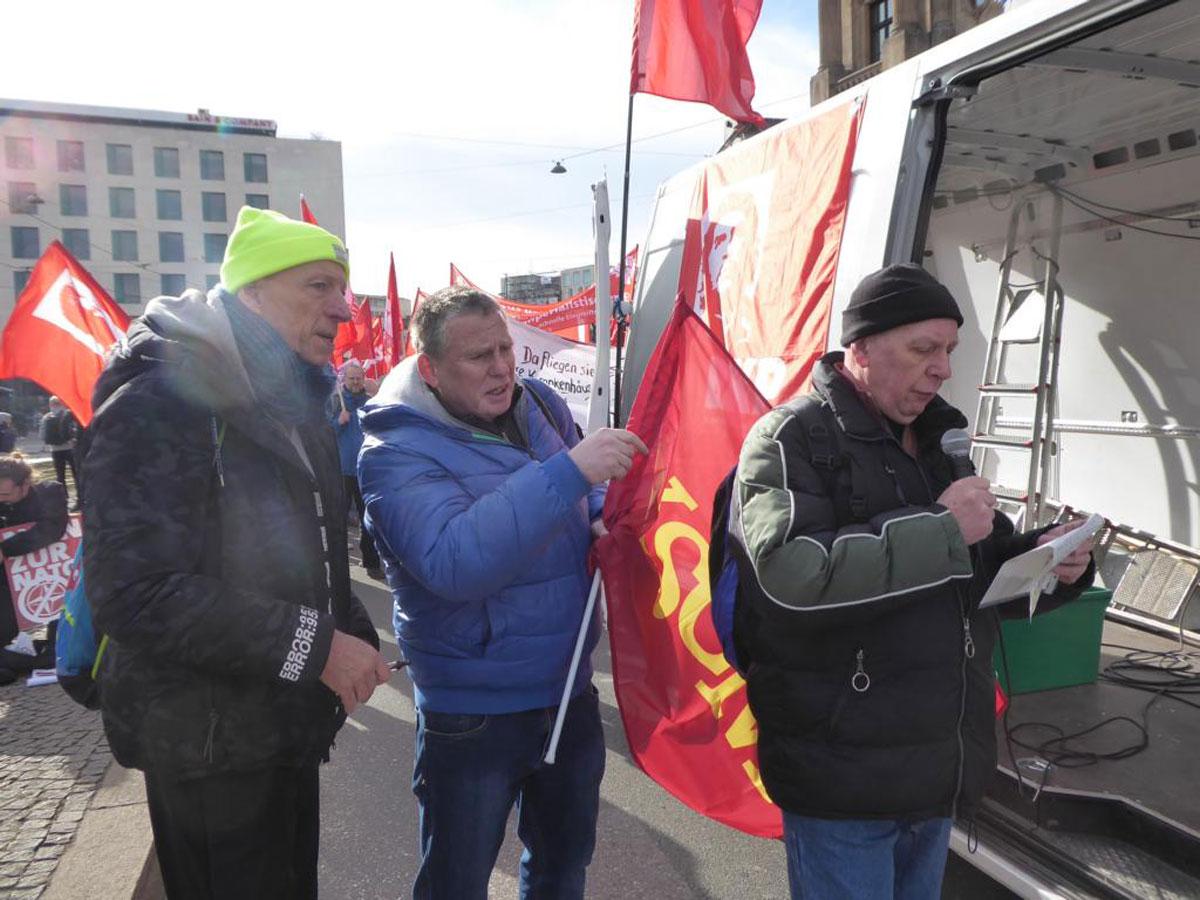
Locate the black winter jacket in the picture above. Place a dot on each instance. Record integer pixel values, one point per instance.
(214, 555)
(870, 664)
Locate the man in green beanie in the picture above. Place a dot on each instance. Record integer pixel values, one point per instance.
(216, 563)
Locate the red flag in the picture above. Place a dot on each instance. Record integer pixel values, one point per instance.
(364, 331)
(305, 213)
(60, 329)
(762, 243)
(684, 707)
(393, 320)
(696, 50)
(418, 296)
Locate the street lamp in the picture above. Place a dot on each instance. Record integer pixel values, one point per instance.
(558, 169)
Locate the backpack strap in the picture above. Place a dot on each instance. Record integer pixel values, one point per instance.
(826, 455)
(545, 408)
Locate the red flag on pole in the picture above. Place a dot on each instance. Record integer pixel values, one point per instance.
(364, 331)
(306, 213)
(696, 50)
(393, 319)
(684, 707)
(409, 347)
(60, 329)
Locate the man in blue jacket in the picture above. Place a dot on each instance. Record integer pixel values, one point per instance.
(481, 498)
(351, 396)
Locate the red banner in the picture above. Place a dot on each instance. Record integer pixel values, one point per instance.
(762, 244)
(684, 707)
(566, 316)
(60, 329)
(38, 580)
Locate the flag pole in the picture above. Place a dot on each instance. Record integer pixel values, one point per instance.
(597, 419)
(622, 318)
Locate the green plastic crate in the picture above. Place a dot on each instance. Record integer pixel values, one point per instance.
(1057, 649)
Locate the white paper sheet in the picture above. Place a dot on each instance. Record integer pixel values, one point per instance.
(1032, 573)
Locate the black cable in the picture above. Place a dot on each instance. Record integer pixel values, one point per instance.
(1169, 674)
(1118, 209)
(1074, 201)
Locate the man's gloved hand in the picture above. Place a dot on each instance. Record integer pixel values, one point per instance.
(972, 504)
(607, 453)
(353, 670)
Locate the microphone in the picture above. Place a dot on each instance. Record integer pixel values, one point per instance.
(956, 444)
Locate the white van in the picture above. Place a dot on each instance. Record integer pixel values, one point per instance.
(1053, 152)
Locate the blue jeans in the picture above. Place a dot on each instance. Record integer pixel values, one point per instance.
(471, 769)
(865, 859)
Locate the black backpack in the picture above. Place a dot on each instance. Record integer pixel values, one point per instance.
(56, 428)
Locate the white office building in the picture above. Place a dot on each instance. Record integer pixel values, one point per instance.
(146, 199)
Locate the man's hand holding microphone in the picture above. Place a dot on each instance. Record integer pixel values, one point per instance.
(969, 497)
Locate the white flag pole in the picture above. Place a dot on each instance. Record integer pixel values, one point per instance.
(602, 226)
(552, 747)
(597, 418)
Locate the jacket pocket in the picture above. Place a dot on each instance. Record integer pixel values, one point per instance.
(856, 684)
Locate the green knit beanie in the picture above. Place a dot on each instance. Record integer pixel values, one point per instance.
(265, 242)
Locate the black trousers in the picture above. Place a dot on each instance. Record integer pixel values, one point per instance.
(370, 555)
(64, 459)
(238, 836)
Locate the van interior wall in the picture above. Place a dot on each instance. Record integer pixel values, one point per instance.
(1130, 354)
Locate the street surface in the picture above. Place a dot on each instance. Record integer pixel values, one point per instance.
(648, 844)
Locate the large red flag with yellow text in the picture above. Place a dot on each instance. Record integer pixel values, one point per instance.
(60, 329)
(762, 242)
(684, 707)
(696, 50)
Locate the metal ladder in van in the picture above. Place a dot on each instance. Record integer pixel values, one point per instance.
(1011, 326)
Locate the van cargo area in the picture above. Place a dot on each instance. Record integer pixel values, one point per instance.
(1074, 179)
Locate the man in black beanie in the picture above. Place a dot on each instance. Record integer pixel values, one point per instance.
(862, 566)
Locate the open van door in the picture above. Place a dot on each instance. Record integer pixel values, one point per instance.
(1052, 182)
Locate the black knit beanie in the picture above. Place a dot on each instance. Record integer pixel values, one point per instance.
(894, 296)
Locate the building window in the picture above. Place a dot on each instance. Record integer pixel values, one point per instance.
(211, 281)
(212, 165)
(124, 246)
(173, 285)
(127, 287)
(20, 279)
(214, 247)
(256, 166)
(213, 206)
(166, 162)
(22, 197)
(880, 25)
(77, 243)
(170, 247)
(72, 199)
(258, 201)
(120, 203)
(18, 152)
(70, 156)
(169, 204)
(120, 159)
(25, 243)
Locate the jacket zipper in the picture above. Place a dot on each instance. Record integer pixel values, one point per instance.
(968, 654)
(860, 680)
(213, 718)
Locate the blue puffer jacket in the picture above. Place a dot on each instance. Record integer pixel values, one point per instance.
(484, 544)
(350, 435)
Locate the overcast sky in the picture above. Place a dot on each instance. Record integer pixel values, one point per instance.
(450, 113)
